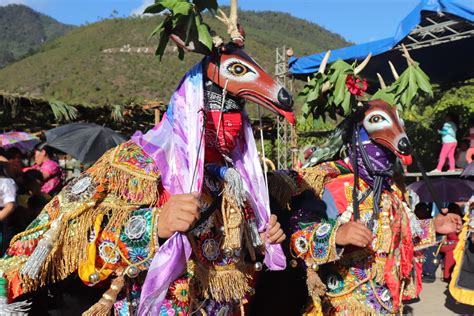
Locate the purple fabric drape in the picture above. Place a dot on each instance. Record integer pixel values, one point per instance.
(246, 161)
(176, 147)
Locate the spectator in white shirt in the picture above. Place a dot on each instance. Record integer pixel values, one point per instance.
(8, 190)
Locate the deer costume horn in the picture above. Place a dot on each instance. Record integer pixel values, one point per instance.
(236, 32)
(362, 65)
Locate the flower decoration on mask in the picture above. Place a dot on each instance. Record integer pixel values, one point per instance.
(356, 86)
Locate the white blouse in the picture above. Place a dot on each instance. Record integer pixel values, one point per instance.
(7, 191)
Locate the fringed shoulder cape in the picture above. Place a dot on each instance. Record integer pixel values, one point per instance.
(107, 219)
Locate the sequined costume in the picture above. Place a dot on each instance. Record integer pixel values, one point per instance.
(355, 280)
(351, 280)
(104, 223)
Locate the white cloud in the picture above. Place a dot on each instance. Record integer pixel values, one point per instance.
(7, 2)
(136, 11)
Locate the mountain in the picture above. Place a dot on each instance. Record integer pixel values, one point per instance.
(112, 61)
(23, 30)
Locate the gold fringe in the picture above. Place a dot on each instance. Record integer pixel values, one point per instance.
(223, 284)
(242, 309)
(120, 191)
(314, 179)
(123, 182)
(71, 248)
(105, 304)
(461, 295)
(316, 287)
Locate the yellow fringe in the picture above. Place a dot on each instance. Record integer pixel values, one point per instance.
(315, 308)
(316, 287)
(461, 295)
(124, 182)
(71, 249)
(314, 179)
(223, 284)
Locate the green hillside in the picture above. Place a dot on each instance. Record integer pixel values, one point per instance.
(23, 30)
(74, 68)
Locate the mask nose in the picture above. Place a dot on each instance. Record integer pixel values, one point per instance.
(404, 146)
(285, 99)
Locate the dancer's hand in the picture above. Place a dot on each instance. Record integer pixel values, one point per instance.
(353, 233)
(449, 223)
(178, 214)
(274, 234)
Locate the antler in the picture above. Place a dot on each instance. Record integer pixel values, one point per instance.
(382, 83)
(362, 65)
(231, 23)
(410, 60)
(233, 12)
(394, 71)
(324, 63)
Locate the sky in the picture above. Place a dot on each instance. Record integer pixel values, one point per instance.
(358, 21)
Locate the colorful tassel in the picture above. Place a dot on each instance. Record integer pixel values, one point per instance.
(234, 186)
(33, 265)
(254, 234)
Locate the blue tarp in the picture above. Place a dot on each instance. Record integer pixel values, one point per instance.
(461, 8)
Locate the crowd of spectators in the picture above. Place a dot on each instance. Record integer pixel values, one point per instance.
(24, 188)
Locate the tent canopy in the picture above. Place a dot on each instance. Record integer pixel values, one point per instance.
(438, 33)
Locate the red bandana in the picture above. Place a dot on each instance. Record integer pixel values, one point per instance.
(225, 141)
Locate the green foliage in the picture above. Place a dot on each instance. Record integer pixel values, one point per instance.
(23, 31)
(422, 123)
(338, 91)
(117, 112)
(63, 111)
(336, 99)
(411, 83)
(182, 15)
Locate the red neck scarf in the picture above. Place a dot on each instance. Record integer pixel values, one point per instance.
(221, 142)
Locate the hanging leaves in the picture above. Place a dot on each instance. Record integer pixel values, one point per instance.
(332, 93)
(412, 82)
(339, 90)
(183, 18)
(63, 111)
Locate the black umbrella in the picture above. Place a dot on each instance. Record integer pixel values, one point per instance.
(468, 171)
(445, 189)
(84, 141)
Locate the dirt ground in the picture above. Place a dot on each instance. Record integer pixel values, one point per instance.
(435, 300)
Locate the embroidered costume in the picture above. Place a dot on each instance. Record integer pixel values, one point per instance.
(352, 280)
(104, 223)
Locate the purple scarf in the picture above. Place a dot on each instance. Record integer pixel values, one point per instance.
(176, 147)
(380, 160)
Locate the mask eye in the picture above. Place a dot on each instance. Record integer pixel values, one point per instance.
(238, 69)
(376, 119)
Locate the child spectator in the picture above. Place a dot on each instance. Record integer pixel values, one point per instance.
(448, 136)
(8, 190)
